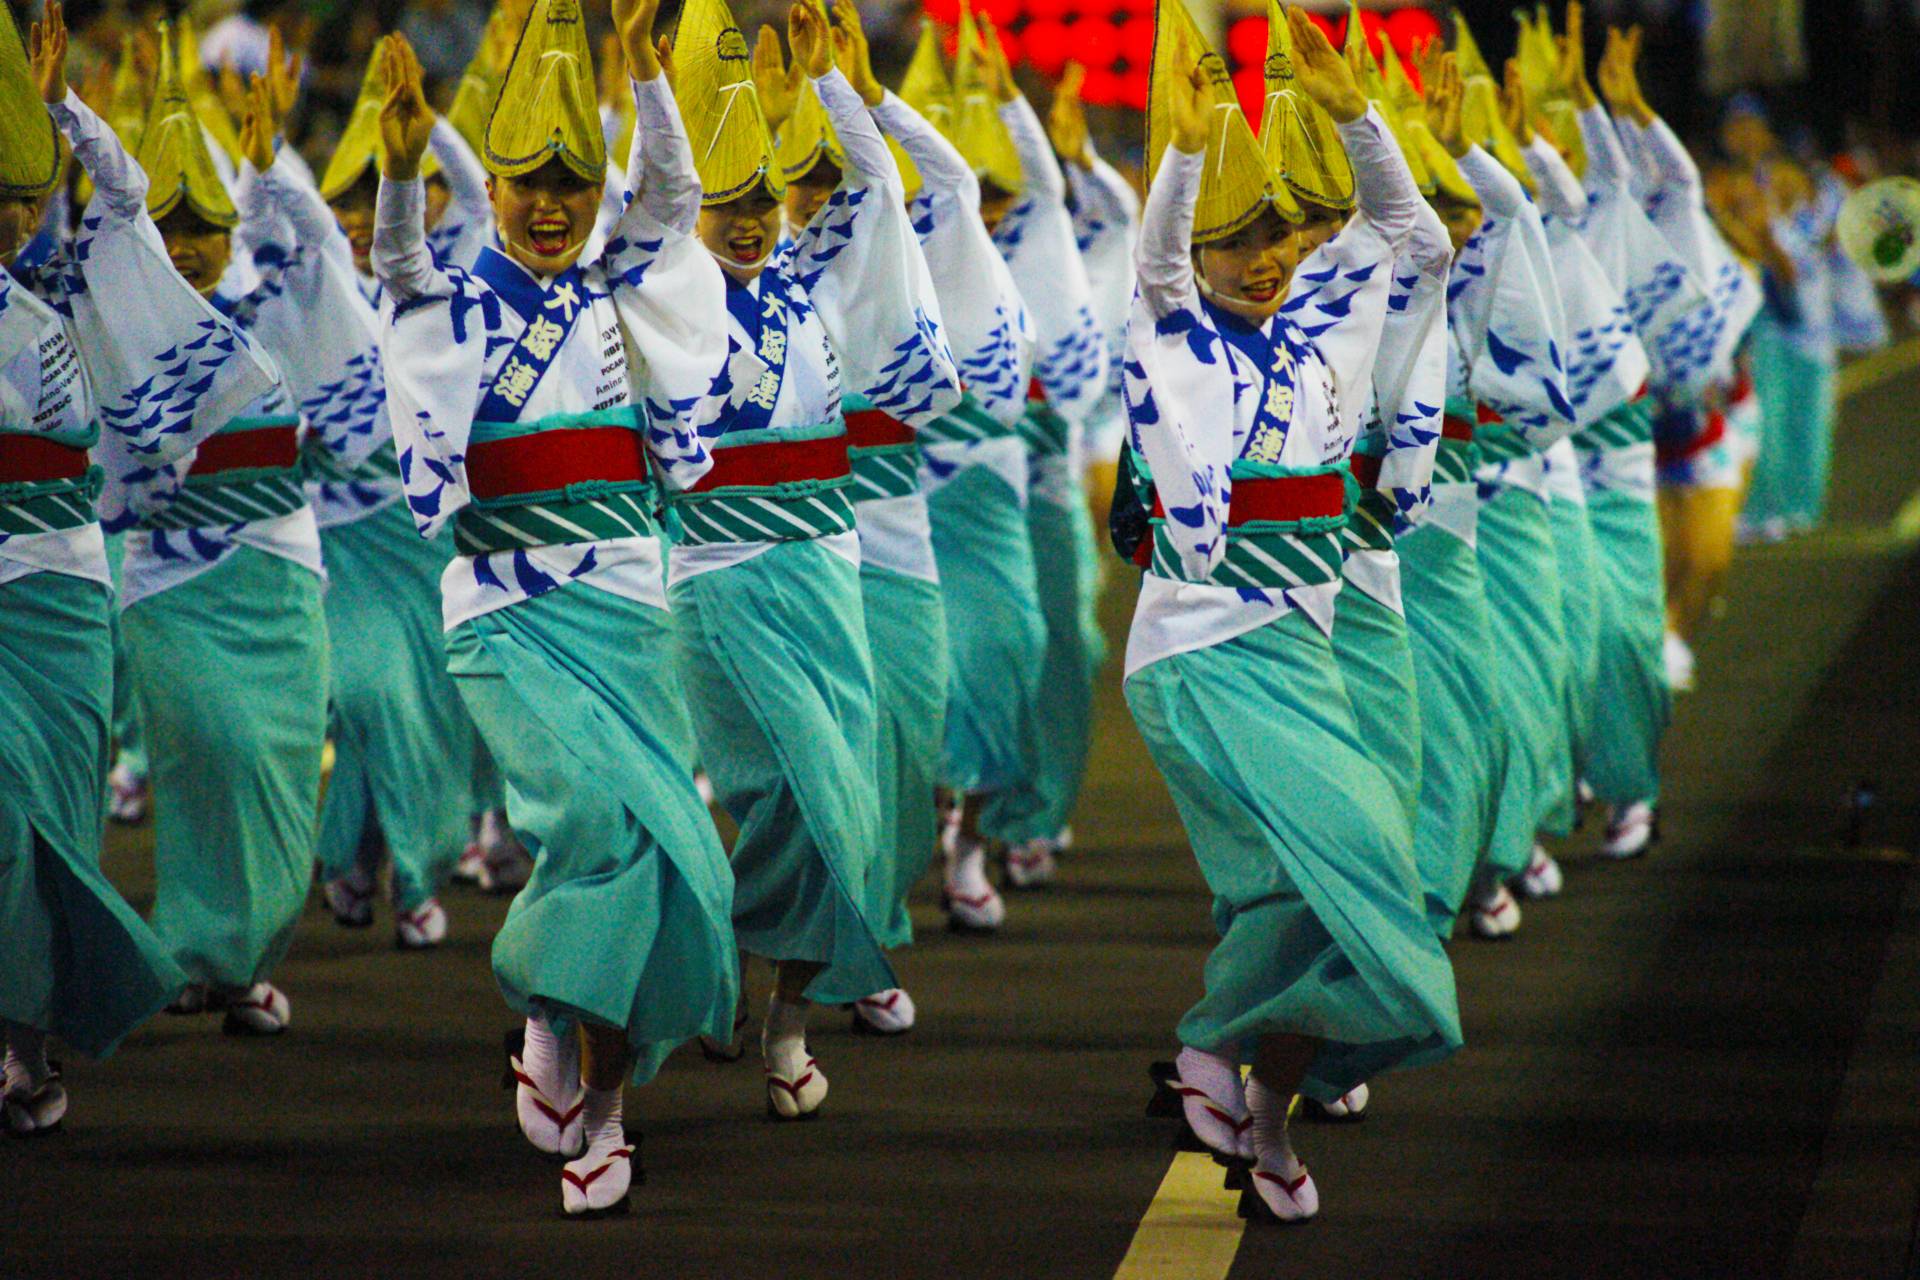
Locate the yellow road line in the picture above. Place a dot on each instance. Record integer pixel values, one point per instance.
(1882, 366)
(1192, 1229)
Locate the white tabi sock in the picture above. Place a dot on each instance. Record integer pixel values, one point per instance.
(601, 1119)
(786, 1026)
(545, 1059)
(1271, 1145)
(26, 1063)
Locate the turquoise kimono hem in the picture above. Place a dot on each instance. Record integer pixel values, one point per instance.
(1632, 703)
(1316, 899)
(772, 654)
(626, 920)
(79, 961)
(1375, 653)
(1580, 610)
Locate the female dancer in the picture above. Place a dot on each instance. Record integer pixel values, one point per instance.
(533, 400)
(1327, 972)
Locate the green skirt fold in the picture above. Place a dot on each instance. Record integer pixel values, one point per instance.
(1316, 898)
(996, 633)
(1522, 574)
(907, 632)
(625, 921)
(1067, 570)
(773, 657)
(1371, 644)
(1632, 703)
(231, 668)
(77, 960)
(403, 744)
(1798, 406)
(1463, 744)
(129, 750)
(1580, 610)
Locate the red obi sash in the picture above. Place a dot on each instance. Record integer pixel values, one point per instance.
(775, 462)
(275, 448)
(1366, 470)
(873, 429)
(1282, 498)
(545, 461)
(1036, 392)
(28, 459)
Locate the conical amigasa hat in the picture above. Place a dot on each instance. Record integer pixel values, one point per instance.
(1373, 83)
(713, 83)
(360, 146)
(173, 150)
(926, 89)
(977, 130)
(807, 137)
(1237, 184)
(29, 141)
(549, 103)
(1299, 137)
(1481, 117)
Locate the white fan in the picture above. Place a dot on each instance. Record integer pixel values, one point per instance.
(1879, 228)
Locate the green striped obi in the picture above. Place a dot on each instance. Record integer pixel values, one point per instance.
(966, 423)
(1370, 524)
(769, 485)
(321, 466)
(882, 452)
(247, 471)
(1046, 433)
(48, 483)
(1496, 439)
(1459, 455)
(1631, 424)
(1283, 528)
(569, 478)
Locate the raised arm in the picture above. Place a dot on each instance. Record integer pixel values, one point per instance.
(119, 183)
(1561, 194)
(466, 179)
(944, 172)
(401, 258)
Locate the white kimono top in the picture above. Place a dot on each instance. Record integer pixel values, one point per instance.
(164, 362)
(1206, 389)
(986, 323)
(44, 392)
(1106, 225)
(641, 327)
(848, 305)
(1037, 239)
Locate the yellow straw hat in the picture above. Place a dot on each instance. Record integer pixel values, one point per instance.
(1299, 137)
(549, 103)
(713, 83)
(977, 129)
(29, 142)
(360, 147)
(173, 149)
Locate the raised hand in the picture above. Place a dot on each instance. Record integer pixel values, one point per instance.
(851, 51)
(1446, 93)
(612, 68)
(1426, 59)
(1067, 121)
(47, 46)
(633, 22)
(406, 121)
(808, 37)
(1514, 107)
(1191, 102)
(233, 90)
(259, 130)
(282, 79)
(1573, 59)
(1326, 77)
(1619, 81)
(777, 84)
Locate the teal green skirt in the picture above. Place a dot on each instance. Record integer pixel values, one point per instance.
(129, 751)
(772, 654)
(996, 632)
(1297, 831)
(1375, 654)
(907, 631)
(1632, 703)
(78, 961)
(1580, 610)
(403, 744)
(624, 922)
(1067, 571)
(1522, 574)
(1463, 743)
(1798, 405)
(231, 668)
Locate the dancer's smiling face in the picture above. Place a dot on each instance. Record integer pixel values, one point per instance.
(1247, 272)
(1322, 225)
(545, 217)
(742, 232)
(809, 193)
(353, 210)
(198, 249)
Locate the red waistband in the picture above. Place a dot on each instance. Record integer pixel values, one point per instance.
(548, 460)
(1282, 498)
(262, 447)
(1712, 433)
(873, 429)
(36, 459)
(1035, 391)
(1452, 428)
(1366, 469)
(775, 462)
